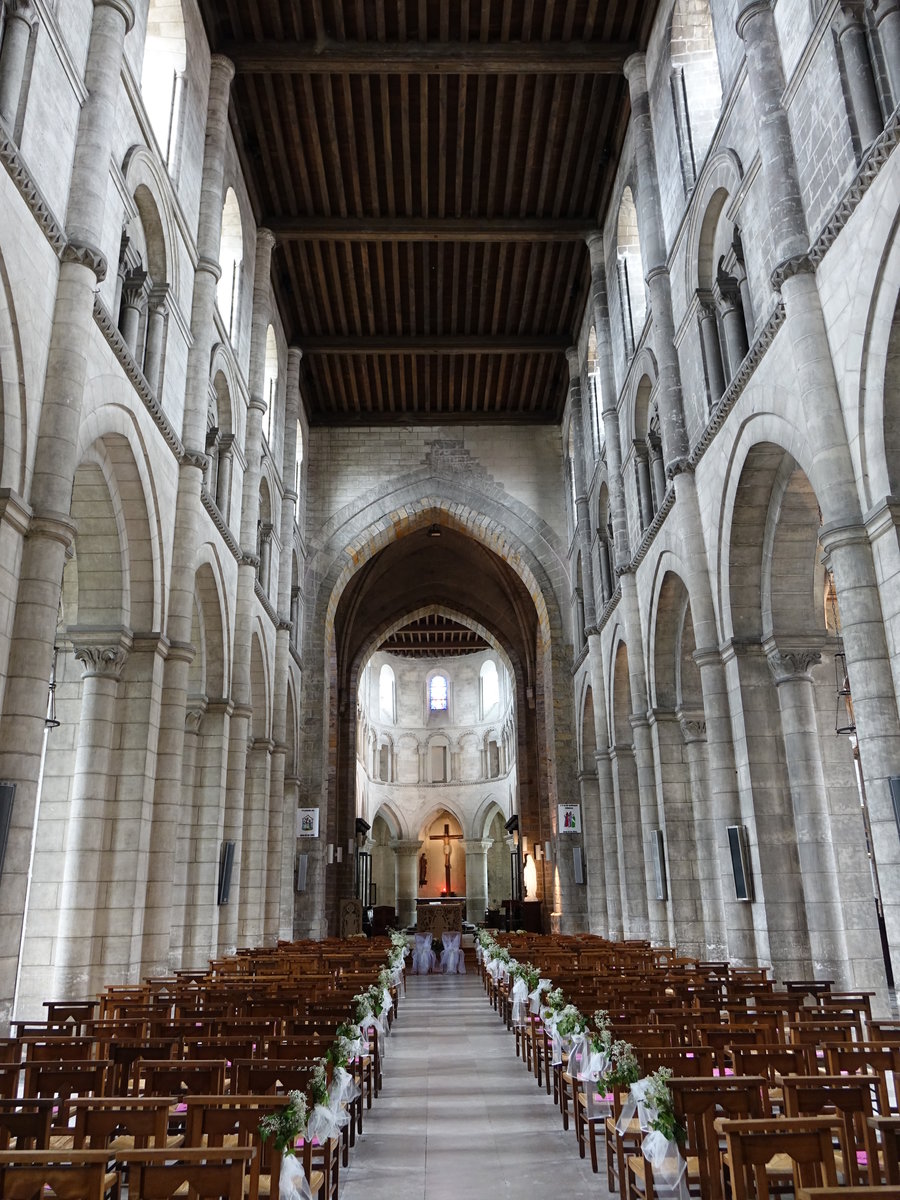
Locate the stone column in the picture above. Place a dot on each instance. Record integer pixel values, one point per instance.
(582, 512)
(645, 493)
(134, 299)
(712, 351)
(186, 542)
(16, 36)
(887, 23)
(223, 478)
(476, 877)
(254, 842)
(55, 461)
(818, 869)
(156, 327)
(79, 951)
(609, 841)
(851, 30)
(593, 839)
(657, 469)
(406, 874)
(609, 411)
(728, 294)
(831, 471)
(202, 918)
(653, 247)
(629, 847)
(706, 853)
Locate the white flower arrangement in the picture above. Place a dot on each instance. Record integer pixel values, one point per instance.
(286, 1124)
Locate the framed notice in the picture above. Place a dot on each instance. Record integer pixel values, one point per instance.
(569, 818)
(307, 822)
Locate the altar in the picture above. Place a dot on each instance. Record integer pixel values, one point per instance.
(440, 916)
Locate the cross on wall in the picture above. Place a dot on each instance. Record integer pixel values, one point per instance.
(446, 837)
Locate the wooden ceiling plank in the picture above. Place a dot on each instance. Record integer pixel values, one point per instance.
(282, 163)
(333, 144)
(459, 179)
(429, 229)
(535, 145)
(550, 158)
(561, 195)
(316, 150)
(409, 274)
(407, 149)
(355, 159)
(299, 153)
(371, 158)
(424, 142)
(387, 144)
(590, 20)
(497, 161)
(442, 205)
(515, 132)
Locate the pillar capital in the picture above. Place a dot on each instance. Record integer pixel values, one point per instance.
(125, 8)
(635, 71)
(594, 241)
(22, 10)
(790, 665)
(101, 652)
(756, 8)
(574, 364)
(405, 847)
(86, 255)
(222, 67)
(477, 845)
(265, 240)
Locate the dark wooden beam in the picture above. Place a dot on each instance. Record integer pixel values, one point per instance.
(431, 345)
(429, 229)
(418, 58)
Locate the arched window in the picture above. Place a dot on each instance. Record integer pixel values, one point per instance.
(163, 78)
(143, 290)
(298, 459)
(490, 688)
(570, 472)
(605, 545)
(265, 528)
(386, 695)
(594, 393)
(648, 461)
(633, 301)
(696, 87)
(270, 386)
(231, 260)
(438, 693)
(220, 447)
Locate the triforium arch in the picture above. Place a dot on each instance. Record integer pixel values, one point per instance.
(800, 798)
(516, 601)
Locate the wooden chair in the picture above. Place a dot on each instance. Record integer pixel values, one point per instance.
(849, 1193)
(64, 1082)
(204, 1174)
(848, 1099)
(199, 1077)
(773, 1061)
(26, 1174)
(700, 1105)
(769, 1157)
(878, 1059)
(888, 1129)
(123, 1123)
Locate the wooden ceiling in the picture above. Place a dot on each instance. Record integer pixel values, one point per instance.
(430, 169)
(434, 636)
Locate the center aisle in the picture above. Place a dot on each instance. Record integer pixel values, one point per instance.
(459, 1116)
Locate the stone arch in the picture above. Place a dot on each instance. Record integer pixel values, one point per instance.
(489, 808)
(260, 719)
(270, 382)
(211, 659)
(148, 187)
(587, 742)
(620, 690)
(432, 814)
(13, 423)
(720, 179)
(386, 811)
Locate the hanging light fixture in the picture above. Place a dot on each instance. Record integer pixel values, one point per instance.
(50, 721)
(844, 720)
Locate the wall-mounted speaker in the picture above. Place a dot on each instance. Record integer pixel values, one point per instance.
(578, 861)
(739, 845)
(7, 796)
(226, 864)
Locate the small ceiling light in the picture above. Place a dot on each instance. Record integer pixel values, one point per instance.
(434, 531)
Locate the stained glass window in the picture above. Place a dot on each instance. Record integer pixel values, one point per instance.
(437, 693)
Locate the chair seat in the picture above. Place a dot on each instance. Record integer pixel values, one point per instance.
(778, 1164)
(126, 1142)
(637, 1164)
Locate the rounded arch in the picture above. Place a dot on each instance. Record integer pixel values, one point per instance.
(719, 180)
(587, 731)
(145, 182)
(488, 810)
(620, 690)
(260, 695)
(675, 677)
(629, 257)
(643, 378)
(210, 617)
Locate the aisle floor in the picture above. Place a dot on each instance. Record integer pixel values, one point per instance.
(459, 1116)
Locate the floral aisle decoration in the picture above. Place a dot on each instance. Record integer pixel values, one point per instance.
(525, 978)
(285, 1126)
(663, 1146)
(329, 1115)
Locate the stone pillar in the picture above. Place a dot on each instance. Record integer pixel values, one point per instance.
(629, 848)
(831, 471)
(657, 469)
(645, 493)
(51, 531)
(476, 878)
(608, 412)
(818, 868)
(887, 23)
(423, 764)
(707, 852)
(202, 916)
(79, 952)
(156, 328)
(582, 512)
(254, 843)
(223, 478)
(134, 299)
(728, 294)
(188, 507)
(406, 873)
(653, 247)
(16, 36)
(851, 30)
(712, 351)
(592, 837)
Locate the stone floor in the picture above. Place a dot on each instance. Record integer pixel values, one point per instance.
(459, 1115)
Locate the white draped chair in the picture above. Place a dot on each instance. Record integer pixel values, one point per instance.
(453, 960)
(424, 959)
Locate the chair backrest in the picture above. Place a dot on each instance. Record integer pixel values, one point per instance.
(888, 1129)
(880, 1059)
(850, 1193)
(25, 1175)
(683, 1060)
(25, 1124)
(806, 1141)
(213, 1121)
(210, 1174)
(99, 1121)
(260, 1077)
(698, 1104)
(772, 1061)
(199, 1077)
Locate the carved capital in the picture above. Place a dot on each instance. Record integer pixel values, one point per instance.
(193, 719)
(693, 730)
(249, 560)
(797, 264)
(102, 661)
(679, 466)
(134, 289)
(746, 15)
(787, 665)
(21, 10)
(125, 8)
(85, 256)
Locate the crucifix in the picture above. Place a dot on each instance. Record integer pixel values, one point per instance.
(446, 837)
